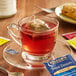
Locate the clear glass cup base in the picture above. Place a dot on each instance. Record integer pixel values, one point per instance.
(25, 61)
(36, 60)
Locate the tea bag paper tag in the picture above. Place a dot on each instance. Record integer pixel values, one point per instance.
(62, 66)
(11, 51)
(3, 40)
(72, 42)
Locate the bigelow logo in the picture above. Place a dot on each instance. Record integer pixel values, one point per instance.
(58, 60)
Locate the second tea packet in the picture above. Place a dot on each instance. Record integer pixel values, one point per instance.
(62, 66)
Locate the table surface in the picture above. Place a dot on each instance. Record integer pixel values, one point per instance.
(26, 8)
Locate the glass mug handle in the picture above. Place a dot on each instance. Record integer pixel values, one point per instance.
(15, 37)
(10, 73)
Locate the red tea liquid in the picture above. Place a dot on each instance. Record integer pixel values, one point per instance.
(38, 43)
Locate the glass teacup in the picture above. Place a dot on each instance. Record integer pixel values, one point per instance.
(37, 44)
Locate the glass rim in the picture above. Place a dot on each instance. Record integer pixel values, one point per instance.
(57, 25)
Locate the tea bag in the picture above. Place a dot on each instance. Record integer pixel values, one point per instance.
(38, 25)
(11, 51)
(69, 35)
(72, 42)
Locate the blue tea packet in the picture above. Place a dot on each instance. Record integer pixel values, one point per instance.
(62, 66)
(11, 51)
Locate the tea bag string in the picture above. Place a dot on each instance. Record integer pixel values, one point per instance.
(34, 19)
(34, 15)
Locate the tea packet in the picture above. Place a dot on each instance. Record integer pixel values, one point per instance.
(72, 42)
(3, 40)
(69, 35)
(11, 51)
(62, 66)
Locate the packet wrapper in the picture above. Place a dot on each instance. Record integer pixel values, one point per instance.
(11, 51)
(72, 42)
(3, 40)
(69, 35)
(62, 66)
